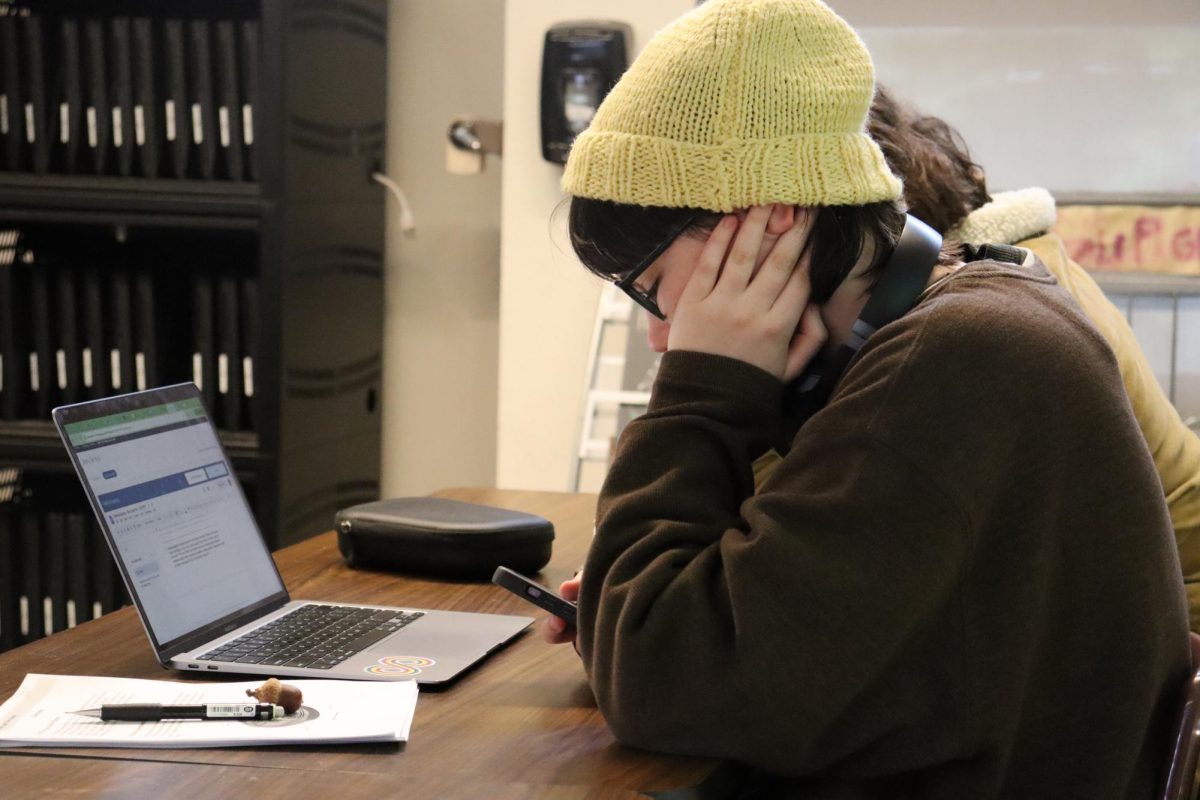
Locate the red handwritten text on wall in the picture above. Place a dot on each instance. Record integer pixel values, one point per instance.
(1132, 238)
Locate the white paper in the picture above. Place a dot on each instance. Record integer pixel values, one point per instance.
(38, 714)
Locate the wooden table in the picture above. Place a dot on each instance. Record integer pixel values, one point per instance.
(523, 724)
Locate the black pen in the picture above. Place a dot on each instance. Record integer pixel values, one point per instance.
(155, 712)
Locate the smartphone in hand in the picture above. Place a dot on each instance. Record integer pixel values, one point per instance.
(535, 593)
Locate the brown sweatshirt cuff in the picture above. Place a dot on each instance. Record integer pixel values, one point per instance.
(747, 396)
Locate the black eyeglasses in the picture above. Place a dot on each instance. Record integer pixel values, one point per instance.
(647, 299)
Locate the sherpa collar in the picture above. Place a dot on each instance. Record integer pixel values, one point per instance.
(1011, 217)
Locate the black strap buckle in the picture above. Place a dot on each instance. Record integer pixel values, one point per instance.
(991, 251)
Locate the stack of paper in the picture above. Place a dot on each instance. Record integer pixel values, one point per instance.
(39, 714)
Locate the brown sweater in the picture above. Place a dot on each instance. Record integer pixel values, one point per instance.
(960, 582)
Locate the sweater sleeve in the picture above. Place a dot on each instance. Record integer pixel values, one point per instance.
(817, 614)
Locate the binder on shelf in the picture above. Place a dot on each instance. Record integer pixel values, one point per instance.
(146, 135)
(229, 378)
(14, 349)
(10, 590)
(11, 124)
(229, 116)
(200, 98)
(54, 564)
(97, 120)
(121, 352)
(248, 290)
(119, 59)
(248, 77)
(33, 73)
(103, 569)
(67, 364)
(93, 355)
(79, 605)
(68, 114)
(33, 592)
(204, 370)
(177, 126)
(74, 215)
(41, 350)
(145, 359)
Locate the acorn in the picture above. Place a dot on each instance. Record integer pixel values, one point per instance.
(284, 694)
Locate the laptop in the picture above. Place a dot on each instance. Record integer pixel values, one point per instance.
(204, 583)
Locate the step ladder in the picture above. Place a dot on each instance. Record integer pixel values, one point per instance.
(620, 372)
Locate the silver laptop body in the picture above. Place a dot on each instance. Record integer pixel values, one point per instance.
(204, 583)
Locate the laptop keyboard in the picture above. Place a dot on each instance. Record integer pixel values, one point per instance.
(313, 636)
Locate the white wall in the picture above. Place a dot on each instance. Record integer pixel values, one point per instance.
(441, 310)
(547, 301)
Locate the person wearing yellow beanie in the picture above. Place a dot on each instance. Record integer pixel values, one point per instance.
(962, 550)
(784, 98)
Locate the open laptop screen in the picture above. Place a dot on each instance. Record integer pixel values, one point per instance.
(175, 514)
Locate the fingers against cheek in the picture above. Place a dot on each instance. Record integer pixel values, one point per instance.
(779, 270)
(799, 238)
(793, 295)
(807, 218)
(812, 327)
(704, 277)
(808, 341)
(743, 258)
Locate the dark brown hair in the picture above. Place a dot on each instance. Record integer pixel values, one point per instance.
(611, 238)
(942, 185)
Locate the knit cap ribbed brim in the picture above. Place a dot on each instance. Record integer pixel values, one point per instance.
(738, 103)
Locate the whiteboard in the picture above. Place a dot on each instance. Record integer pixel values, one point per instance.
(1108, 110)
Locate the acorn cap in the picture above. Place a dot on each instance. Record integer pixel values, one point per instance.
(282, 694)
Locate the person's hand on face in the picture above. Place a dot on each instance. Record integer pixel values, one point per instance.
(751, 306)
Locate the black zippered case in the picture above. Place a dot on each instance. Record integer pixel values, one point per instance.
(442, 537)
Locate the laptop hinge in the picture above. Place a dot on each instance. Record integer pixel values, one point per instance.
(221, 627)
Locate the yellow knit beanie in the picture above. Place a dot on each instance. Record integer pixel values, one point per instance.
(738, 103)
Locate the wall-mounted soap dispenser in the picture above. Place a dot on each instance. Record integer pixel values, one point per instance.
(580, 63)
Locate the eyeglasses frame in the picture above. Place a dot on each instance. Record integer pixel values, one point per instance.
(626, 284)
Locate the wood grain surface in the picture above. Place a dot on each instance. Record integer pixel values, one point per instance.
(522, 724)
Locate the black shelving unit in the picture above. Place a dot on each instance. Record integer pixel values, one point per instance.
(310, 230)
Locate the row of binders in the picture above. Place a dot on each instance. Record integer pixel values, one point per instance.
(56, 570)
(128, 96)
(76, 328)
